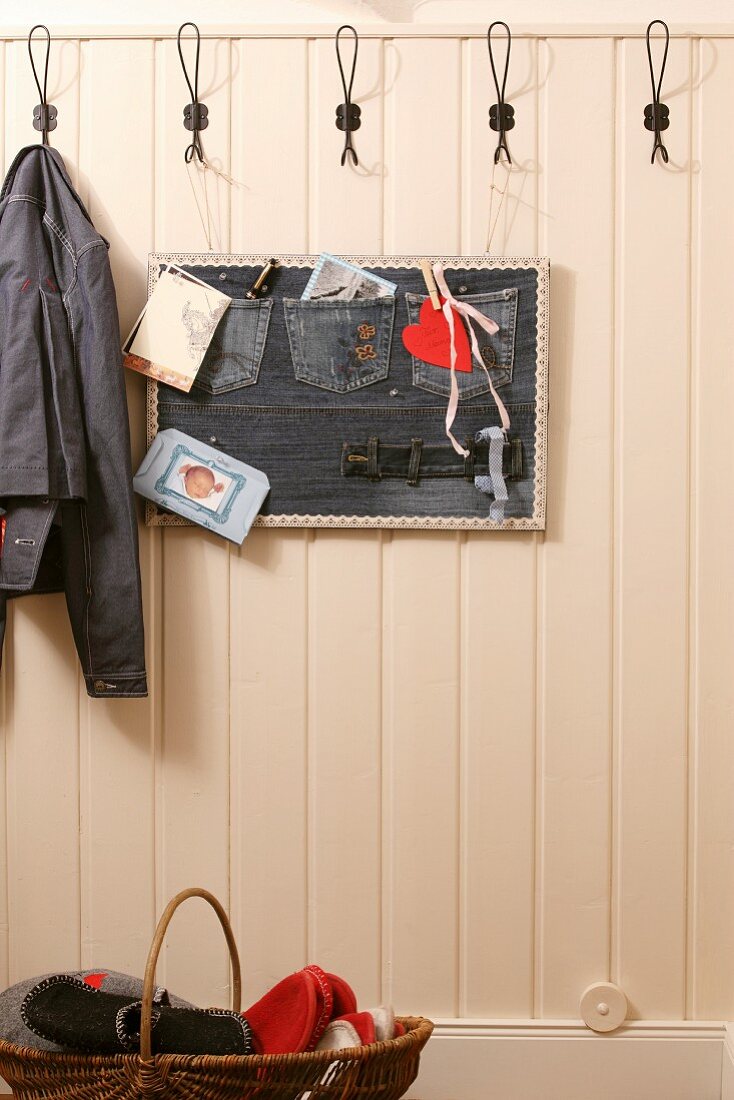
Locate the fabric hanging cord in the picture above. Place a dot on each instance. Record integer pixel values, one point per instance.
(494, 190)
(467, 312)
(205, 213)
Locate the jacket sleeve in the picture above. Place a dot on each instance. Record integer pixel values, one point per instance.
(101, 535)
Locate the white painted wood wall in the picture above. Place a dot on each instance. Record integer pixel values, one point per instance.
(472, 772)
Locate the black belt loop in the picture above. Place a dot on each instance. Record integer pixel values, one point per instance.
(469, 459)
(414, 462)
(373, 466)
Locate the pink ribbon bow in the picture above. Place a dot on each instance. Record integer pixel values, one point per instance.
(467, 312)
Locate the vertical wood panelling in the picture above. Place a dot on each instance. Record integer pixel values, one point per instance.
(269, 586)
(117, 735)
(345, 587)
(193, 765)
(421, 660)
(452, 767)
(346, 200)
(498, 622)
(516, 229)
(651, 550)
(270, 146)
(422, 146)
(345, 590)
(575, 613)
(268, 714)
(182, 191)
(42, 713)
(711, 873)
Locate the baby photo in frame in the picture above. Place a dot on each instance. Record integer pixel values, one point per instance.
(201, 483)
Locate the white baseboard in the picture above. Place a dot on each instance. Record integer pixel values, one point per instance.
(563, 1060)
(727, 1064)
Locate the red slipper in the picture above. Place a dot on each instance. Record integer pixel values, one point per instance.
(283, 1021)
(325, 1002)
(293, 1015)
(345, 1001)
(356, 1029)
(364, 1024)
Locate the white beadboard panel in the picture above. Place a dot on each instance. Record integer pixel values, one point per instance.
(651, 543)
(575, 610)
(421, 656)
(346, 200)
(344, 721)
(422, 146)
(42, 739)
(43, 681)
(711, 878)
(193, 768)
(454, 768)
(192, 205)
(193, 751)
(422, 670)
(117, 738)
(269, 126)
(498, 619)
(514, 215)
(269, 776)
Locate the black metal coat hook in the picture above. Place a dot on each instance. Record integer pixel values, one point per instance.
(501, 114)
(45, 114)
(348, 114)
(195, 115)
(657, 115)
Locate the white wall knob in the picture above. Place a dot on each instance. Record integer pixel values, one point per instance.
(603, 1006)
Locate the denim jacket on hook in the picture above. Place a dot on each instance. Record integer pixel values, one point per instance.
(68, 516)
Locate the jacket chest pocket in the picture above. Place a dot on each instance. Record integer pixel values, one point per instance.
(340, 346)
(233, 358)
(497, 350)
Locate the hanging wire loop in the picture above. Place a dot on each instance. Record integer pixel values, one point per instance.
(657, 115)
(195, 115)
(45, 114)
(348, 114)
(501, 114)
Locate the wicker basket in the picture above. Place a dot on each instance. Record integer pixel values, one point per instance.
(381, 1071)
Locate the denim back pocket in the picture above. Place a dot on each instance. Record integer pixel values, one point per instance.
(497, 351)
(340, 345)
(233, 358)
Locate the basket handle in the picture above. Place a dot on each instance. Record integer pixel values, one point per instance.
(146, 1018)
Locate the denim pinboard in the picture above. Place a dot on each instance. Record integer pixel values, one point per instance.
(323, 396)
(66, 500)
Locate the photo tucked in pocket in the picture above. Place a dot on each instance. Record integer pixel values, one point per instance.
(497, 351)
(340, 345)
(234, 355)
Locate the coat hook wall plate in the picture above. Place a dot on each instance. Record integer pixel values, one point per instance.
(45, 114)
(501, 114)
(657, 115)
(195, 114)
(348, 114)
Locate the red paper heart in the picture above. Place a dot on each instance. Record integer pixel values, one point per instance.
(430, 339)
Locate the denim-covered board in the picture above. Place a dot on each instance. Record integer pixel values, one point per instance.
(349, 426)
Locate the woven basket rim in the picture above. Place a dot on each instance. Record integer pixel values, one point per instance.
(418, 1032)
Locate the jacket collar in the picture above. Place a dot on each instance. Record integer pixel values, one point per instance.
(44, 156)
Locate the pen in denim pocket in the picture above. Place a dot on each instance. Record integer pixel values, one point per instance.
(257, 286)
